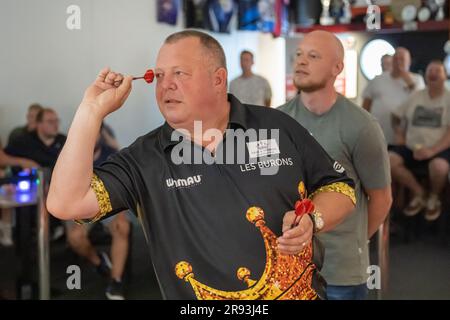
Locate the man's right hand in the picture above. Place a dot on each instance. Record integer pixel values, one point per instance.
(103, 96)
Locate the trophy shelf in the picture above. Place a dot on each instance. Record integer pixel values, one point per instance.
(431, 25)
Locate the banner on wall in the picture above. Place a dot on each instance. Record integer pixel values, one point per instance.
(213, 15)
(269, 16)
(167, 11)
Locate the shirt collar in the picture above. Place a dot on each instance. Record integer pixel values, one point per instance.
(238, 119)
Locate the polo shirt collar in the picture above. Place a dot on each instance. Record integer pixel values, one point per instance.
(238, 119)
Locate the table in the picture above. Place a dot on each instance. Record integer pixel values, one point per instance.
(23, 203)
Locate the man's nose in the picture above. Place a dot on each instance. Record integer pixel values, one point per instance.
(300, 59)
(167, 82)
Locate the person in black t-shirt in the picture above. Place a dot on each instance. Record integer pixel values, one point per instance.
(119, 228)
(206, 236)
(42, 145)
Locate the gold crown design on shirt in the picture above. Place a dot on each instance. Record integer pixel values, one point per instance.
(285, 277)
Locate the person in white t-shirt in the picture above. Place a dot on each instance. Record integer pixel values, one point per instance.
(390, 89)
(424, 141)
(251, 88)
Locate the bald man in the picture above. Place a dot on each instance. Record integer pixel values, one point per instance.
(354, 139)
(386, 92)
(424, 142)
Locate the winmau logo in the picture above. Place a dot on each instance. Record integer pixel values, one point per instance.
(184, 183)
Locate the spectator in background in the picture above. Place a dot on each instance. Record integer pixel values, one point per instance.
(9, 161)
(390, 89)
(424, 142)
(250, 88)
(32, 113)
(119, 227)
(43, 146)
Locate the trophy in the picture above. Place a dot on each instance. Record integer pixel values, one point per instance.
(346, 17)
(423, 14)
(440, 14)
(409, 13)
(325, 18)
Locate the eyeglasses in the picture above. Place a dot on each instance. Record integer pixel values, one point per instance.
(52, 121)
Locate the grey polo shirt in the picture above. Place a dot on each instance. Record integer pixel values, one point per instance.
(354, 138)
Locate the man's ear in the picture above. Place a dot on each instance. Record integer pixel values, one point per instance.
(220, 77)
(338, 68)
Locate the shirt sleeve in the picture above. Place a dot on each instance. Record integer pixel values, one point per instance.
(321, 172)
(114, 185)
(14, 134)
(370, 157)
(16, 148)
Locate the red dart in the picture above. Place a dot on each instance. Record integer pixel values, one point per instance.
(299, 208)
(309, 205)
(148, 77)
(302, 207)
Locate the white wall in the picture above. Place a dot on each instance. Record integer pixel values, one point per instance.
(42, 61)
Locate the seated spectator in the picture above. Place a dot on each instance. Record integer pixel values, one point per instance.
(423, 140)
(32, 113)
(386, 92)
(119, 227)
(43, 146)
(10, 161)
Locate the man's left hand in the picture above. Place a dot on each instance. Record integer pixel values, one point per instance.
(294, 240)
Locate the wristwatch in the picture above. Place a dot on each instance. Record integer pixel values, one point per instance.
(316, 218)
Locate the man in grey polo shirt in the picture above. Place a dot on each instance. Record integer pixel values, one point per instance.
(353, 138)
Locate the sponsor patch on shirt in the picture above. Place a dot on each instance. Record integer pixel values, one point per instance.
(338, 167)
(262, 148)
(184, 183)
